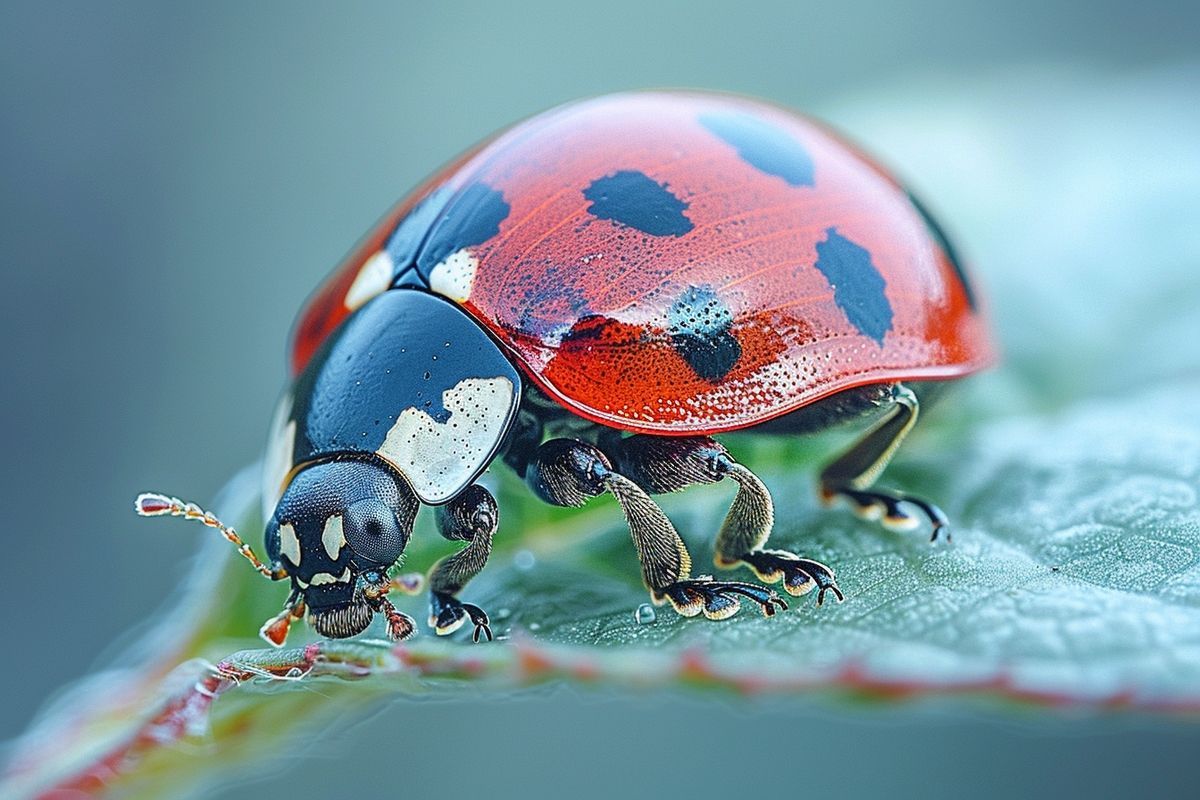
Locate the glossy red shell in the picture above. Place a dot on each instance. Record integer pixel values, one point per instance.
(590, 307)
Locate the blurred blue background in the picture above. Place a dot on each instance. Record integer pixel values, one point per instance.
(176, 178)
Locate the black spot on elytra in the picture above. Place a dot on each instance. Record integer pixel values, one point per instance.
(633, 198)
(405, 242)
(470, 218)
(763, 146)
(544, 307)
(856, 283)
(700, 332)
(940, 236)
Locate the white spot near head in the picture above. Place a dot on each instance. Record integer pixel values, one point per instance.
(277, 461)
(454, 277)
(289, 544)
(441, 458)
(374, 277)
(333, 537)
(322, 578)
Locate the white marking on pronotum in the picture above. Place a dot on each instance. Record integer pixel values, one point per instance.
(322, 578)
(289, 544)
(333, 537)
(373, 278)
(440, 458)
(455, 275)
(277, 462)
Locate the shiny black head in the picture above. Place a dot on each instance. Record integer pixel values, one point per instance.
(338, 528)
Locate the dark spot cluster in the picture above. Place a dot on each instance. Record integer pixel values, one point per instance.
(545, 303)
(635, 199)
(763, 146)
(700, 326)
(856, 283)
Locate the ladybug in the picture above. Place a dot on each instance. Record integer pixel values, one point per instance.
(589, 298)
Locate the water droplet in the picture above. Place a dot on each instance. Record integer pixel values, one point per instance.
(533, 626)
(503, 613)
(524, 560)
(645, 614)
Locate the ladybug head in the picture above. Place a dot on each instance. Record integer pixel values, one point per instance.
(337, 530)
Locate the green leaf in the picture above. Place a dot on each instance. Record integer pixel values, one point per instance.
(1073, 573)
(1070, 476)
(1072, 578)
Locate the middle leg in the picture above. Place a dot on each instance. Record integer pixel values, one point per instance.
(663, 464)
(567, 472)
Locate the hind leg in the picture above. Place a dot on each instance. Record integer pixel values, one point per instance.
(852, 475)
(667, 464)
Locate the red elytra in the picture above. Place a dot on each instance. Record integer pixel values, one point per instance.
(589, 305)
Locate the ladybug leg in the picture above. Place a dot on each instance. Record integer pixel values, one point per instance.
(471, 517)
(566, 472)
(275, 630)
(668, 464)
(853, 473)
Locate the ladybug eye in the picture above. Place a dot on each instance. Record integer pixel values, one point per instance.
(373, 533)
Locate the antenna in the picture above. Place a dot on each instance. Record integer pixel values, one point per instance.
(150, 504)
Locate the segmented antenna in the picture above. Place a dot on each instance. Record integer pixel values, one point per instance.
(150, 504)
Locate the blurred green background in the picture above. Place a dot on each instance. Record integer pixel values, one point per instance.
(177, 177)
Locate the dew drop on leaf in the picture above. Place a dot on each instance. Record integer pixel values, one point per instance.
(645, 614)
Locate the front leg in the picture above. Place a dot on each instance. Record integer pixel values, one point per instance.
(566, 472)
(471, 517)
